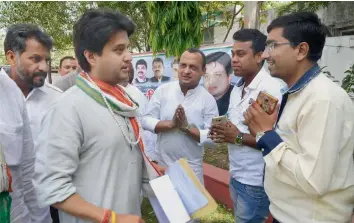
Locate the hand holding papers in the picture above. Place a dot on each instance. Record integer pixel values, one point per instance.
(172, 207)
(180, 195)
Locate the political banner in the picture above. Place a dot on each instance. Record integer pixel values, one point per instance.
(150, 71)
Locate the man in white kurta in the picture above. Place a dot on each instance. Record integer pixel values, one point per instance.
(27, 49)
(37, 103)
(199, 107)
(29, 67)
(16, 139)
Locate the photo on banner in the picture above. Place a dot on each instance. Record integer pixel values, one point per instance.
(150, 71)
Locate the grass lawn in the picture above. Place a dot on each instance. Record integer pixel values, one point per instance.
(221, 215)
(218, 157)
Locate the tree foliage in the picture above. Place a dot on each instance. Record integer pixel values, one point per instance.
(137, 11)
(211, 9)
(297, 6)
(165, 26)
(56, 18)
(174, 26)
(223, 12)
(348, 81)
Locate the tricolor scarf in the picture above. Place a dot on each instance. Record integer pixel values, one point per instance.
(120, 102)
(5, 188)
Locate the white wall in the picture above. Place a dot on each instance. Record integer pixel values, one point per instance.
(220, 32)
(338, 55)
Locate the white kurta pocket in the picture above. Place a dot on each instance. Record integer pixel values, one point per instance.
(11, 139)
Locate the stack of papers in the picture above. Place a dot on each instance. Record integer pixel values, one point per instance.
(180, 196)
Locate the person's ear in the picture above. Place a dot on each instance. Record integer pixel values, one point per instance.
(11, 57)
(303, 51)
(91, 58)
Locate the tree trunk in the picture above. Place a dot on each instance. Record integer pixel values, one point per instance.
(252, 14)
(258, 18)
(232, 21)
(148, 48)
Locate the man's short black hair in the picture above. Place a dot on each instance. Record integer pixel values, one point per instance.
(65, 58)
(196, 50)
(18, 34)
(95, 28)
(157, 60)
(301, 27)
(257, 38)
(221, 57)
(141, 62)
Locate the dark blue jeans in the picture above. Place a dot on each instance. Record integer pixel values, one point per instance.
(251, 204)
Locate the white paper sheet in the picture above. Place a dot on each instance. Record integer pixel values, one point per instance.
(160, 214)
(169, 200)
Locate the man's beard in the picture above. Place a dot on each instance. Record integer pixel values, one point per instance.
(33, 81)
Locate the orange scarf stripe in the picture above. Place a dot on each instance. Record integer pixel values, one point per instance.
(10, 177)
(117, 93)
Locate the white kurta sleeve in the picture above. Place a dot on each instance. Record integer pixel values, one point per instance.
(151, 116)
(210, 111)
(149, 137)
(27, 169)
(152, 113)
(58, 154)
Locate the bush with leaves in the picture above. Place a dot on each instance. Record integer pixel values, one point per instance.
(175, 26)
(348, 81)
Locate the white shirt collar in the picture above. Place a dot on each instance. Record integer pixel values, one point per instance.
(190, 91)
(140, 80)
(255, 82)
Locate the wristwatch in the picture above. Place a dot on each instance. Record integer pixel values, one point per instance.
(186, 129)
(259, 136)
(239, 138)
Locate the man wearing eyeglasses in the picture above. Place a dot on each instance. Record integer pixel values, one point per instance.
(309, 175)
(251, 203)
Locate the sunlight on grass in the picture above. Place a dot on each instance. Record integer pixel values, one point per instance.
(221, 215)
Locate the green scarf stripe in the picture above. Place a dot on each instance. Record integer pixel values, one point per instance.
(5, 207)
(96, 95)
